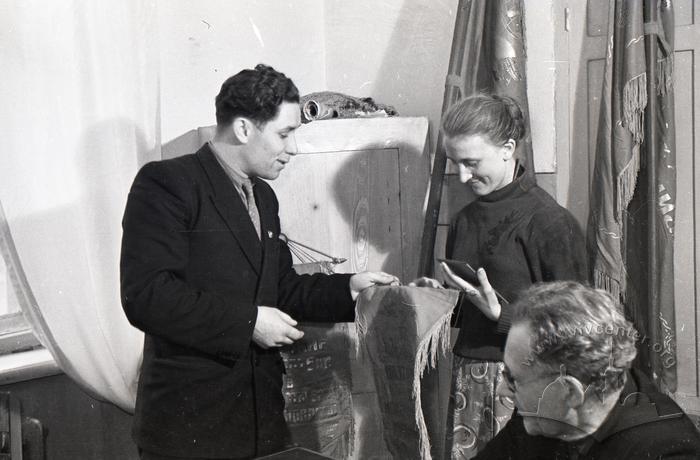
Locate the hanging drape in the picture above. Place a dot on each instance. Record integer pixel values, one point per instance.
(631, 230)
(79, 116)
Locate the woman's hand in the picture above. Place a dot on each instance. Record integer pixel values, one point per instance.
(484, 296)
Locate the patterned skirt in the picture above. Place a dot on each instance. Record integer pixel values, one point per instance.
(475, 413)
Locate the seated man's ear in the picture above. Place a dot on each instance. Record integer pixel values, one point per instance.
(575, 393)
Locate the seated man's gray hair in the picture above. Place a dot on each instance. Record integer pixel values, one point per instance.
(582, 328)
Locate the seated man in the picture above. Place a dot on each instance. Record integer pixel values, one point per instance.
(568, 362)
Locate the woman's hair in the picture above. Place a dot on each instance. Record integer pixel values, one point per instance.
(499, 118)
(255, 94)
(579, 327)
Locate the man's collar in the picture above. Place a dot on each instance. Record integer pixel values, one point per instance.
(233, 171)
(638, 404)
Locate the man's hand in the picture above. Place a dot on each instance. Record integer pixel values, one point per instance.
(363, 280)
(424, 281)
(483, 296)
(275, 328)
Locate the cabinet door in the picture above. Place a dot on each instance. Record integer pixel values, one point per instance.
(356, 191)
(582, 49)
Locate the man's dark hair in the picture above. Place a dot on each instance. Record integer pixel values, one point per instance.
(255, 94)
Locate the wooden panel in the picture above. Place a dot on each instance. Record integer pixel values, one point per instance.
(597, 18)
(583, 147)
(77, 426)
(684, 12)
(349, 207)
(686, 229)
(685, 259)
(586, 54)
(360, 185)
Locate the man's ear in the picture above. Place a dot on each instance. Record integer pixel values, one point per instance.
(508, 149)
(242, 128)
(575, 390)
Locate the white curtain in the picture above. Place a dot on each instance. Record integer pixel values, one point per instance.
(78, 116)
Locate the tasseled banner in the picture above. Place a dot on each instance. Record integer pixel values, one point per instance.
(402, 331)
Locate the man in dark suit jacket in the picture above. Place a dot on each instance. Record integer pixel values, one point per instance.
(205, 275)
(568, 358)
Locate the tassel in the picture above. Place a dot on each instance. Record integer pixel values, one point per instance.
(634, 100)
(626, 183)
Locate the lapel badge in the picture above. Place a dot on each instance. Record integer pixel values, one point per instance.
(270, 234)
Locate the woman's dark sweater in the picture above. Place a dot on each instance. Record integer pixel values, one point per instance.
(520, 236)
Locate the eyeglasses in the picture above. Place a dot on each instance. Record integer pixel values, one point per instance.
(511, 383)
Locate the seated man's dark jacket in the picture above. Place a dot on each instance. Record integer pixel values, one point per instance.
(645, 424)
(193, 272)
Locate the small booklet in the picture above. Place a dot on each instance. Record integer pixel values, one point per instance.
(468, 274)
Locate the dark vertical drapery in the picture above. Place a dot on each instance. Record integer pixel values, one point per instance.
(488, 55)
(633, 189)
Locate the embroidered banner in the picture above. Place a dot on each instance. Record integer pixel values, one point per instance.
(317, 390)
(400, 331)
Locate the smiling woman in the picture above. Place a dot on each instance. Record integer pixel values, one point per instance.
(514, 234)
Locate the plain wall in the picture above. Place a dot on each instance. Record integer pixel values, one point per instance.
(204, 42)
(396, 52)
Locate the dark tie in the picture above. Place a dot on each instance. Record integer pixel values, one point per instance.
(252, 208)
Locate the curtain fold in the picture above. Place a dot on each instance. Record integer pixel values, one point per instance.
(80, 116)
(619, 223)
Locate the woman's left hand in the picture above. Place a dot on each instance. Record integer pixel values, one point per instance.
(483, 296)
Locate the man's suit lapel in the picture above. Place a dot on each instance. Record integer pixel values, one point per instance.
(270, 240)
(229, 205)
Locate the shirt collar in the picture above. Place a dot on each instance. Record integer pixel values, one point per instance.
(237, 176)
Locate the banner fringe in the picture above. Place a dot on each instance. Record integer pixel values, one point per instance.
(435, 341)
(602, 280)
(634, 100)
(626, 183)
